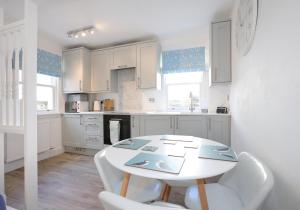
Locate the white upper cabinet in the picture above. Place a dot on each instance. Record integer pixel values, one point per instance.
(191, 125)
(103, 79)
(148, 65)
(76, 69)
(220, 53)
(124, 57)
(219, 129)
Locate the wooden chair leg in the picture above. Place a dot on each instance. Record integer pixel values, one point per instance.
(202, 194)
(125, 185)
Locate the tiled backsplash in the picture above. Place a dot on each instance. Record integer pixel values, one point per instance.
(129, 98)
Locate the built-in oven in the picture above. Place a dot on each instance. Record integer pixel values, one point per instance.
(124, 126)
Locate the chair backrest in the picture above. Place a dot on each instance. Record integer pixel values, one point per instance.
(251, 180)
(112, 201)
(110, 176)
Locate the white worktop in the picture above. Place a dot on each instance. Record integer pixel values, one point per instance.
(145, 113)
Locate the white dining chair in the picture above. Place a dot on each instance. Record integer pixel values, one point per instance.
(112, 201)
(139, 189)
(245, 187)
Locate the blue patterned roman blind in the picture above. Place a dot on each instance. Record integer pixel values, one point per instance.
(48, 63)
(183, 60)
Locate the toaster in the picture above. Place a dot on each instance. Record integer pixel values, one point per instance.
(222, 110)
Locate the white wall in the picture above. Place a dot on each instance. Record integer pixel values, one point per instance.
(49, 44)
(211, 96)
(265, 96)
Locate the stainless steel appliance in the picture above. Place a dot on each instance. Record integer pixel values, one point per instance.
(77, 103)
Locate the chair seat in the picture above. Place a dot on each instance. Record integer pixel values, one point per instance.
(165, 204)
(141, 189)
(219, 197)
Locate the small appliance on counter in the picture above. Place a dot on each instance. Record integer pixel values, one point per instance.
(222, 110)
(97, 106)
(77, 103)
(108, 105)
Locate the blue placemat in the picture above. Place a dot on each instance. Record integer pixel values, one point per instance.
(133, 144)
(157, 162)
(217, 153)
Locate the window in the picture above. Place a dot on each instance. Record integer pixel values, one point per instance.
(182, 88)
(47, 93)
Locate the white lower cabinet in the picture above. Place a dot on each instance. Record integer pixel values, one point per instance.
(135, 126)
(214, 127)
(72, 131)
(83, 131)
(156, 125)
(48, 137)
(43, 135)
(191, 126)
(219, 129)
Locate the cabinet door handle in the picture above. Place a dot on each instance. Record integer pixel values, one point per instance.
(215, 73)
(133, 122)
(177, 123)
(138, 82)
(80, 85)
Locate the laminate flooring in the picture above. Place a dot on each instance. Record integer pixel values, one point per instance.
(66, 182)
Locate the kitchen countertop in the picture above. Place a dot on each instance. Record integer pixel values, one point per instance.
(146, 113)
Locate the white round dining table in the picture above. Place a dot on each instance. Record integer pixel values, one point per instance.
(194, 168)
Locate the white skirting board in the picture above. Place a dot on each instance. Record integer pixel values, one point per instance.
(11, 166)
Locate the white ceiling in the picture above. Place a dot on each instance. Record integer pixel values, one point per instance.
(125, 20)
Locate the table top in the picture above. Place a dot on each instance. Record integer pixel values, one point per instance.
(193, 167)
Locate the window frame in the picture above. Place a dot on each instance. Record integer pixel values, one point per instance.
(55, 88)
(166, 85)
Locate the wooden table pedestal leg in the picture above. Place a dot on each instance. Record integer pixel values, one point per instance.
(125, 184)
(202, 194)
(166, 193)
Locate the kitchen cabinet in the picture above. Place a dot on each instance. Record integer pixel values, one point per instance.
(135, 125)
(124, 57)
(191, 126)
(156, 125)
(56, 133)
(49, 137)
(214, 127)
(220, 53)
(83, 131)
(43, 135)
(72, 131)
(103, 79)
(93, 131)
(76, 70)
(219, 129)
(148, 74)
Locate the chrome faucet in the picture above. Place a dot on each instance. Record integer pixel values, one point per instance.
(192, 106)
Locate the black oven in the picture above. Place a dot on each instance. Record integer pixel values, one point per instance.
(124, 126)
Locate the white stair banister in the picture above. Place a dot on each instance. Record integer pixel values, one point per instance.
(30, 112)
(2, 185)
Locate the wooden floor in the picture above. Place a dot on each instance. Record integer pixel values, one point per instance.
(66, 182)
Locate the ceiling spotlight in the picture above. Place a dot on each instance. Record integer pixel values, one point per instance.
(83, 32)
